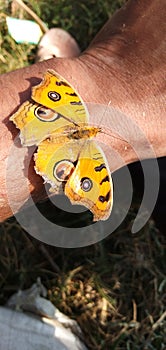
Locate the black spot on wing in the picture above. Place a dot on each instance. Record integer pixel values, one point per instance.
(105, 179)
(79, 103)
(100, 167)
(105, 198)
(59, 83)
(97, 158)
(72, 94)
(82, 110)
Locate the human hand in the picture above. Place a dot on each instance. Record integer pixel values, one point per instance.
(124, 64)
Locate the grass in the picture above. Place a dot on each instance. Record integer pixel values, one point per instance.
(114, 289)
(82, 19)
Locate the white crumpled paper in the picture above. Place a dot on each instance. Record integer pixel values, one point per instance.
(44, 327)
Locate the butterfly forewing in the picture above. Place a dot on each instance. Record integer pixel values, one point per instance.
(90, 183)
(54, 105)
(56, 93)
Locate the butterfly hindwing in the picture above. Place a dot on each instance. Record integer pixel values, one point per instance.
(36, 122)
(55, 160)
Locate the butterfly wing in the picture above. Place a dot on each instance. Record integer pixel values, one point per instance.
(78, 168)
(55, 159)
(56, 93)
(55, 104)
(36, 122)
(90, 184)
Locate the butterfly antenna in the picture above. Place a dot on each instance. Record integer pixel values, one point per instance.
(115, 137)
(111, 134)
(105, 110)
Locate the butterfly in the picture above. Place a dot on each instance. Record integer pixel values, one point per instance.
(68, 157)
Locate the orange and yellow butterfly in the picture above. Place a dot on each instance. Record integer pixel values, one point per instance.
(68, 157)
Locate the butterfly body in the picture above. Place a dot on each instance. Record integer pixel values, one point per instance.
(68, 157)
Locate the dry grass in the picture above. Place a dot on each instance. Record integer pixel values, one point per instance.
(114, 289)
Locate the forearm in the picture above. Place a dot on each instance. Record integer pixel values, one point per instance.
(116, 68)
(131, 70)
